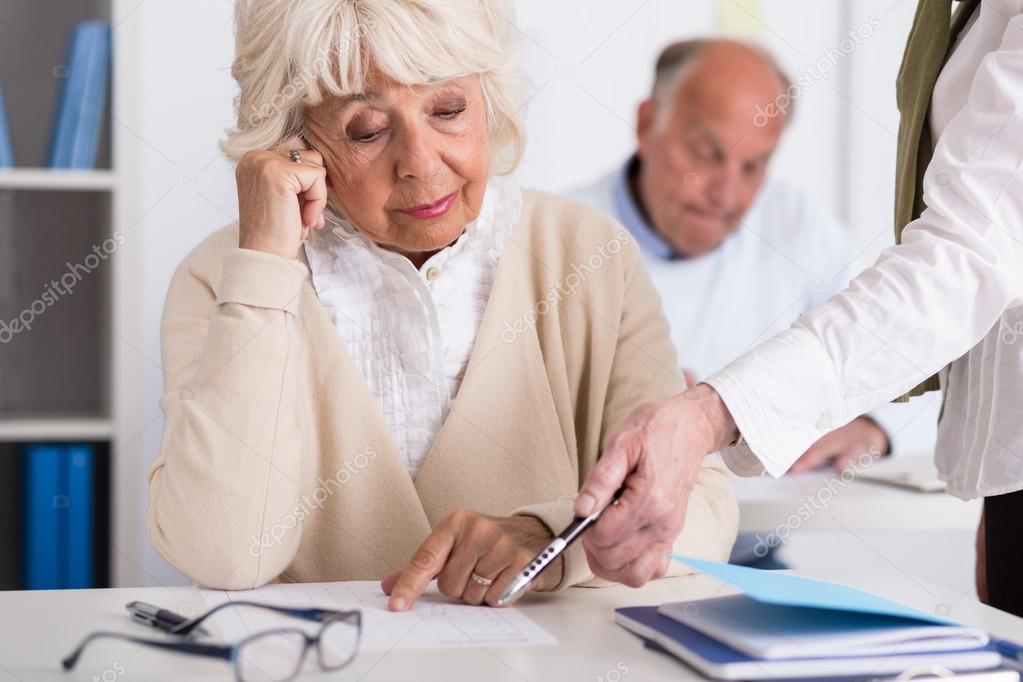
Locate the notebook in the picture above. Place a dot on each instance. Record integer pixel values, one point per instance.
(716, 660)
(768, 631)
(788, 626)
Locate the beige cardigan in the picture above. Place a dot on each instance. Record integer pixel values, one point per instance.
(276, 463)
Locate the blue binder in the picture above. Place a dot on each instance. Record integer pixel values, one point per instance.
(78, 463)
(59, 516)
(79, 116)
(6, 148)
(43, 536)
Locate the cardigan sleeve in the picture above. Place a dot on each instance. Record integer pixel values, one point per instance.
(229, 462)
(645, 368)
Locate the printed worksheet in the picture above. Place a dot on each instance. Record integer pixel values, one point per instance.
(435, 622)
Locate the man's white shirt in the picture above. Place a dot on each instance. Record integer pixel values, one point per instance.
(953, 291)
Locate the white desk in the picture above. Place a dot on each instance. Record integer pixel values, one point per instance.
(38, 628)
(824, 501)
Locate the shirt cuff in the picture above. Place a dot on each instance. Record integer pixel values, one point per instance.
(261, 279)
(777, 421)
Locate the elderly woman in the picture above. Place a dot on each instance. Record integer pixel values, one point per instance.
(398, 365)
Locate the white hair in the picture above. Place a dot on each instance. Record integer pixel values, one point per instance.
(290, 54)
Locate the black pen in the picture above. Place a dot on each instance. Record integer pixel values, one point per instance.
(552, 551)
(154, 616)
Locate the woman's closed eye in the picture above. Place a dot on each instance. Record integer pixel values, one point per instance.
(367, 137)
(367, 126)
(450, 114)
(366, 131)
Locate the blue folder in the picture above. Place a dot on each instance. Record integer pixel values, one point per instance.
(79, 116)
(800, 612)
(78, 462)
(59, 504)
(717, 661)
(43, 535)
(782, 589)
(6, 147)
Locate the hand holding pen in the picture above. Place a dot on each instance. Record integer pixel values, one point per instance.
(551, 553)
(473, 557)
(656, 455)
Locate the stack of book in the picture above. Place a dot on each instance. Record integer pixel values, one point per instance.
(787, 627)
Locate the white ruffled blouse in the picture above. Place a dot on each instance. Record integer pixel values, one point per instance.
(410, 331)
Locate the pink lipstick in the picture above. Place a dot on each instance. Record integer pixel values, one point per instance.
(431, 210)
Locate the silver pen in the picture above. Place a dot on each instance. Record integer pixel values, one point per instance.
(551, 552)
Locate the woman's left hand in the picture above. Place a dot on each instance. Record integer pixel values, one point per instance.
(466, 543)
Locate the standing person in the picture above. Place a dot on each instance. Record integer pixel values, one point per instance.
(947, 299)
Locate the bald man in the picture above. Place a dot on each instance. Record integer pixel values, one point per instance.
(737, 256)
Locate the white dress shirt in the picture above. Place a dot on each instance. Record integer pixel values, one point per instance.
(787, 256)
(951, 293)
(410, 331)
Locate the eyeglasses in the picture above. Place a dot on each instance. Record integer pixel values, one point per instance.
(274, 655)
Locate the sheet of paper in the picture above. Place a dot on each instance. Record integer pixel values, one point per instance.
(435, 622)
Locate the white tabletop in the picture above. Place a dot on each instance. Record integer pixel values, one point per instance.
(38, 628)
(827, 501)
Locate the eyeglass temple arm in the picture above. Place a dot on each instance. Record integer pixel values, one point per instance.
(200, 649)
(319, 615)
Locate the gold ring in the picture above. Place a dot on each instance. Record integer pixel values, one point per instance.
(480, 580)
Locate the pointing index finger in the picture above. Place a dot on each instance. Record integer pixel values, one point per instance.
(423, 567)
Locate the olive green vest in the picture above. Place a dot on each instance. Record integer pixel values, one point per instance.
(930, 42)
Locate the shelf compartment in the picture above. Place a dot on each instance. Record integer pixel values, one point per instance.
(56, 253)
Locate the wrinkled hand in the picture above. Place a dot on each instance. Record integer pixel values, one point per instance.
(656, 454)
(844, 447)
(279, 200)
(466, 542)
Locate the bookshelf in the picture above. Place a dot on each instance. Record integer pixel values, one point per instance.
(42, 429)
(57, 180)
(56, 374)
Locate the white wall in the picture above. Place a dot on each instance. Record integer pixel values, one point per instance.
(591, 63)
(175, 104)
(582, 120)
(873, 123)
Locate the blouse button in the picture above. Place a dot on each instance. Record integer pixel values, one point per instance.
(432, 274)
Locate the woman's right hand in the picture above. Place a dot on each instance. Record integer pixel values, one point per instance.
(279, 200)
